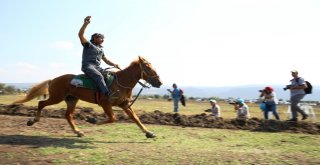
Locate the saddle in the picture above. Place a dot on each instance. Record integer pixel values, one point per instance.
(83, 81)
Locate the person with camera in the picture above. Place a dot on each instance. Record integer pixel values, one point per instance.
(176, 95)
(269, 98)
(215, 108)
(242, 109)
(297, 93)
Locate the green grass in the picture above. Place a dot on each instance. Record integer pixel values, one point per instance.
(125, 144)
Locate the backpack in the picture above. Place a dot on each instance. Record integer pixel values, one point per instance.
(181, 91)
(307, 90)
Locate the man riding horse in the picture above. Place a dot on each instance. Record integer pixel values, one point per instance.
(62, 89)
(91, 57)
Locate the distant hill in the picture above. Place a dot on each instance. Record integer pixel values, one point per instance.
(245, 91)
(21, 85)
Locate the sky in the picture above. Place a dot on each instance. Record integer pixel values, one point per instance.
(189, 42)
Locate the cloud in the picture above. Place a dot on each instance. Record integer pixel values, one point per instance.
(65, 45)
(27, 66)
(57, 65)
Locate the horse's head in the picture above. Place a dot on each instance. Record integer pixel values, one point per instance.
(148, 73)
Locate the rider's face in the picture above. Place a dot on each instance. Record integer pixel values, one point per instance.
(98, 40)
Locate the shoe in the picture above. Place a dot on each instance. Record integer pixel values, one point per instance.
(304, 117)
(293, 120)
(108, 93)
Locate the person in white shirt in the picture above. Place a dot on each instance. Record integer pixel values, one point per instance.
(215, 108)
(270, 100)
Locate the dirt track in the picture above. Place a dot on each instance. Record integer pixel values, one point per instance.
(158, 117)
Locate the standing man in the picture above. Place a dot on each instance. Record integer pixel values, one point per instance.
(297, 93)
(175, 93)
(92, 55)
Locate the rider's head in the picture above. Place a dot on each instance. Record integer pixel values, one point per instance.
(97, 38)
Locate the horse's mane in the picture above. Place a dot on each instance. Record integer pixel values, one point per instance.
(134, 63)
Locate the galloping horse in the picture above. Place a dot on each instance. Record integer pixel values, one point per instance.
(125, 80)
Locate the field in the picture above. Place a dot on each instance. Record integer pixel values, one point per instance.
(51, 141)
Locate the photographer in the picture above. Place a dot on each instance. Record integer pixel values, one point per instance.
(215, 108)
(297, 93)
(269, 99)
(176, 95)
(241, 108)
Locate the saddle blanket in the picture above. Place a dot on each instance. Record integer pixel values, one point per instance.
(84, 81)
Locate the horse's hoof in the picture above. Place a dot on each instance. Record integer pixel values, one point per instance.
(30, 122)
(150, 135)
(80, 133)
(100, 122)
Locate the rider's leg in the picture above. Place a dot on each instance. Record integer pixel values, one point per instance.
(98, 78)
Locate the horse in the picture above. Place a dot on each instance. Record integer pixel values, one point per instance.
(125, 80)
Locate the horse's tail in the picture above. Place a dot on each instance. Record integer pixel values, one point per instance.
(35, 91)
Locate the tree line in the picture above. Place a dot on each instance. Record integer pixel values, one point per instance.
(8, 89)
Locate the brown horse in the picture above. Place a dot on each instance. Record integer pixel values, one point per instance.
(125, 80)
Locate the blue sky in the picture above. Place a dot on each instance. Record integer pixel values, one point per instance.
(189, 42)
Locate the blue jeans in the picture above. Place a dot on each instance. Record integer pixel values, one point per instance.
(294, 105)
(271, 106)
(95, 73)
(176, 104)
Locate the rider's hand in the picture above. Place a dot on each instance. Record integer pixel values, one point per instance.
(116, 66)
(87, 19)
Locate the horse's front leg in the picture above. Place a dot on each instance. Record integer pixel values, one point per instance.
(136, 119)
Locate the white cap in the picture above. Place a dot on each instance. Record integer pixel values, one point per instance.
(213, 101)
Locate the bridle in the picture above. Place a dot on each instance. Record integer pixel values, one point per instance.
(146, 71)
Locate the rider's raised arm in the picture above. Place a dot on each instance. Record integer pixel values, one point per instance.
(82, 29)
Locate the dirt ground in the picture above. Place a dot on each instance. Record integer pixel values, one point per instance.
(174, 119)
(53, 122)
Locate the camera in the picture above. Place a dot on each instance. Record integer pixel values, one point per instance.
(262, 90)
(233, 103)
(287, 87)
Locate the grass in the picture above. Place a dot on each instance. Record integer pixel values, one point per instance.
(124, 144)
(193, 107)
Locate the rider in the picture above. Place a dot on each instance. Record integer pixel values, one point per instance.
(92, 55)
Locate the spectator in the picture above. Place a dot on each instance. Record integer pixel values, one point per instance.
(242, 109)
(270, 100)
(215, 108)
(297, 93)
(175, 94)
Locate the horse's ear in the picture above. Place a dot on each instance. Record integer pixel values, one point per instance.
(141, 58)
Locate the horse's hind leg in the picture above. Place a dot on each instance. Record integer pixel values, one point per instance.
(41, 105)
(71, 105)
(107, 108)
